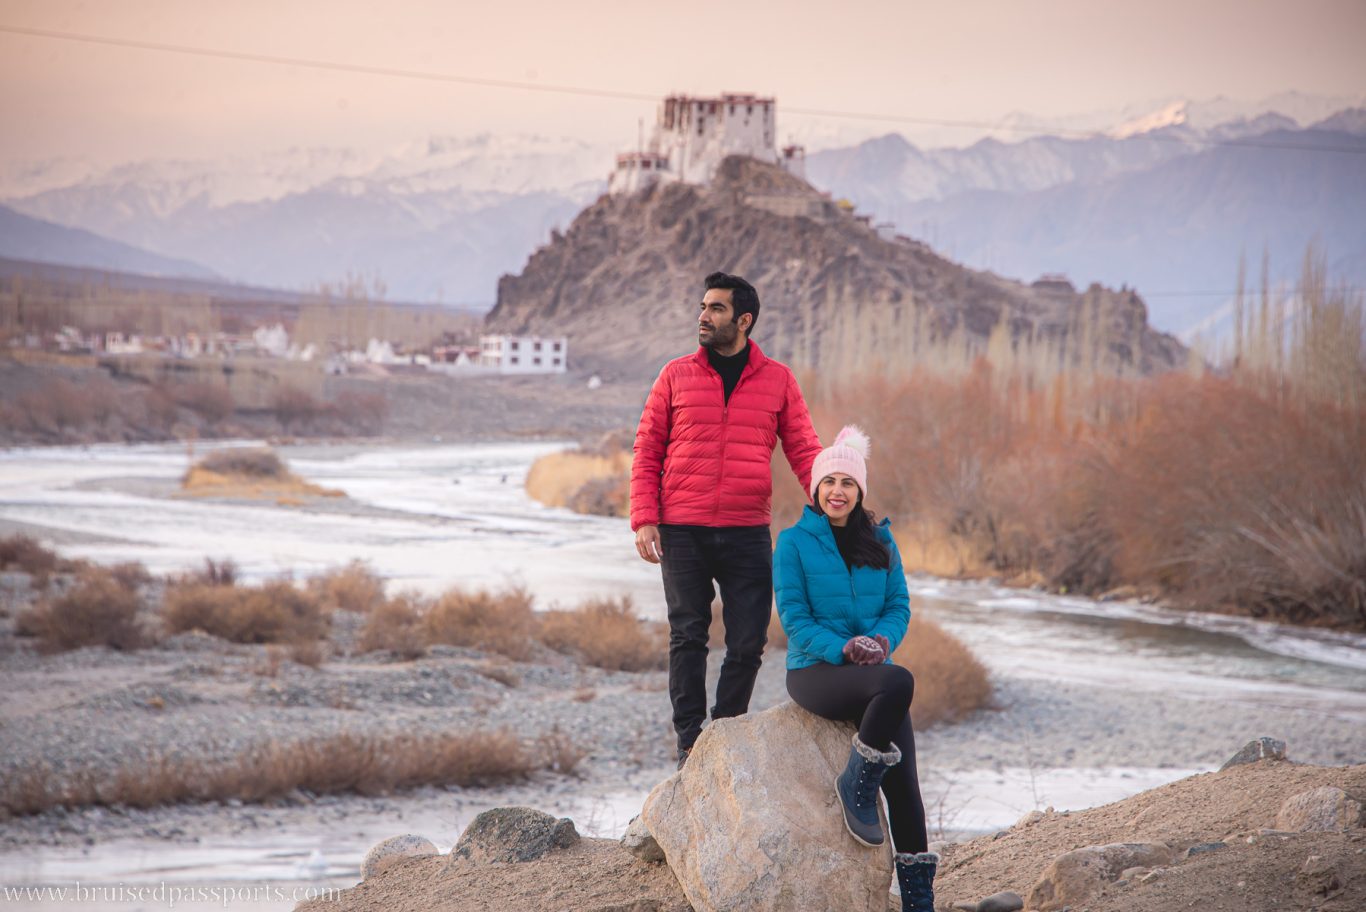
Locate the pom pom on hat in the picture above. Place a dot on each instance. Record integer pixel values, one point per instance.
(847, 455)
(853, 437)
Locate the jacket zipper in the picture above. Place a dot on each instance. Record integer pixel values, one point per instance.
(725, 433)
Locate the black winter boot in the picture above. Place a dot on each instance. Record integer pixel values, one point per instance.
(858, 786)
(915, 877)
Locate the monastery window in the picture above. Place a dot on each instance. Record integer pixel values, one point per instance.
(557, 346)
(536, 346)
(512, 360)
(536, 361)
(514, 345)
(557, 362)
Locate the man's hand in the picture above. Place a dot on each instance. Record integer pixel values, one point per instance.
(647, 544)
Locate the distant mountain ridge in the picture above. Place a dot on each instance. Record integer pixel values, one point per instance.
(25, 238)
(441, 219)
(1174, 229)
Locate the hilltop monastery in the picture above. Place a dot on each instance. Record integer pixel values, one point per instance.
(692, 135)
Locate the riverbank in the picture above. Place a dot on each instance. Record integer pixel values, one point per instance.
(1093, 701)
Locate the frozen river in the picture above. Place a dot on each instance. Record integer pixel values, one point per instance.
(429, 517)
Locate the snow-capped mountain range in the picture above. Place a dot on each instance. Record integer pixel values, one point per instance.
(443, 218)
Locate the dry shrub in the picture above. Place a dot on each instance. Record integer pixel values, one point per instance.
(309, 653)
(610, 496)
(556, 478)
(949, 681)
(295, 407)
(221, 572)
(100, 610)
(343, 763)
(354, 587)
(501, 622)
(21, 552)
(504, 675)
(396, 626)
(558, 753)
(1268, 514)
(607, 633)
(131, 574)
(262, 464)
(275, 612)
(56, 406)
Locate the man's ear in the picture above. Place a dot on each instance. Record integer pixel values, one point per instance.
(743, 325)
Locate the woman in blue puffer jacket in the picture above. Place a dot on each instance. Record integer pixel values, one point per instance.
(842, 598)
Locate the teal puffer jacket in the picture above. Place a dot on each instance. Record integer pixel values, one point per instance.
(822, 603)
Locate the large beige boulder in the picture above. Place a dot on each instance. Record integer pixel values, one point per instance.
(1074, 877)
(752, 821)
(1322, 810)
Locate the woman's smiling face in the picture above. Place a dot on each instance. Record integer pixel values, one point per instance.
(837, 495)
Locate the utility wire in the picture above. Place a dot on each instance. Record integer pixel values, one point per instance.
(426, 75)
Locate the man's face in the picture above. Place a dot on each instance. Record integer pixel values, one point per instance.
(716, 323)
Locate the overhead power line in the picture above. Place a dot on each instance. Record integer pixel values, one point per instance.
(590, 92)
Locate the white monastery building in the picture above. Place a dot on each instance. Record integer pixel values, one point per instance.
(524, 354)
(692, 135)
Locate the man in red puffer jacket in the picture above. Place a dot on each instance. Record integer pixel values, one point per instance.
(701, 488)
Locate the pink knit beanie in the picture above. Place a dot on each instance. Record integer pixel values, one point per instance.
(848, 454)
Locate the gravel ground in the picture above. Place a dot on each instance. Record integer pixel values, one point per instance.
(198, 696)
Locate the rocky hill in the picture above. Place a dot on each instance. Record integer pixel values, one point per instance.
(624, 280)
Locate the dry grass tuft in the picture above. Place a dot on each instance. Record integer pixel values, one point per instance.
(21, 552)
(245, 463)
(344, 763)
(252, 473)
(607, 633)
(501, 622)
(396, 626)
(595, 481)
(100, 610)
(354, 587)
(949, 681)
(558, 753)
(275, 612)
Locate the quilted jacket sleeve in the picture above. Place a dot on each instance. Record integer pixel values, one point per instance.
(896, 603)
(647, 466)
(794, 606)
(801, 446)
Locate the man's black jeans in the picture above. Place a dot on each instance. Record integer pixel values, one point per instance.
(740, 560)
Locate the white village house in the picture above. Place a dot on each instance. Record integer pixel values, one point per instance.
(510, 354)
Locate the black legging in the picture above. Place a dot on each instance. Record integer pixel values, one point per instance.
(878, 699)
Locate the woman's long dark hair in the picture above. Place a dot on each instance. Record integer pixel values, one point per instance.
(865, 548)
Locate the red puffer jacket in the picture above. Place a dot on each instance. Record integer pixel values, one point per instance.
(703, 461)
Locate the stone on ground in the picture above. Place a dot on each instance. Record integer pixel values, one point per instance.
(1252, 751)
(638, 841)
(1322, 810)
(384, 854)
(512, 835)
(1074, 877)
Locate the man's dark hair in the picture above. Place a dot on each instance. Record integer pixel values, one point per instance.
(743, 298)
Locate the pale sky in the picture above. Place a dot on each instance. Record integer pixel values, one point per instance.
(956, 59)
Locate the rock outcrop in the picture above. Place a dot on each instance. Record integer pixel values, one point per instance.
(1325, 809)
(624, 282)
(752, 821)
(1076, 876)
(513, 835)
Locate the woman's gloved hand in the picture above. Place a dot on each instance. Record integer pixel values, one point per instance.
(862, 650)
(886, 646)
